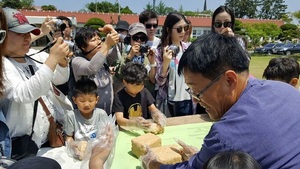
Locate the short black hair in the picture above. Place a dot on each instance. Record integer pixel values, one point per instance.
(233, 160)
(64, 18)
(212, 54)
(146, 15)
(83, 35)
(134, 73)
(85, 86)
(284, 69)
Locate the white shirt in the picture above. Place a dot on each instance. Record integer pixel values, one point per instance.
(21, 91)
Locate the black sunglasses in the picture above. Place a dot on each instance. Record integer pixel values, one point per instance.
(225, 24)
(142, 38)
(180, 28)
(149, 26)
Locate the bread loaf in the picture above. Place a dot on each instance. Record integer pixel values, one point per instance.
(138, 143)
(166, 155)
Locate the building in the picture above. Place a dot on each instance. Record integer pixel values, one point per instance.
(201, 24)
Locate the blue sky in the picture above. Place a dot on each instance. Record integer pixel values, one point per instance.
(138, 5)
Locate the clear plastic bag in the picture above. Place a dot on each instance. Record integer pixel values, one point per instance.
(106, 124)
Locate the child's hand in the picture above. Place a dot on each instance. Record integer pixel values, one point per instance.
(139, 122)
(159, 118)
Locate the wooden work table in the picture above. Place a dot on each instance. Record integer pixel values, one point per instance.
(197, 118)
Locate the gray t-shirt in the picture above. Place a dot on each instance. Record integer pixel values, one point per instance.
(79, 127)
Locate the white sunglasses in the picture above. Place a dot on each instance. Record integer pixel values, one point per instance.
(2, 35)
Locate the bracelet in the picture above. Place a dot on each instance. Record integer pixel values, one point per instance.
(153, 65)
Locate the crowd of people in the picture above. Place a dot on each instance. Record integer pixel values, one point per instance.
(135, 76)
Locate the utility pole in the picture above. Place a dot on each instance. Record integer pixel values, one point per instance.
(153, 7)
(205, 7)
(96, 5)
(119, 14)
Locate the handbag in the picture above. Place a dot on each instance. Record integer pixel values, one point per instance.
(55, 134)
(24, 146)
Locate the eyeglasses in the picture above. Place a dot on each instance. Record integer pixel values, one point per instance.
(142, 38)
(197, 96)
(149, 26)
(180, 28)
(2, 35)
(225, 24)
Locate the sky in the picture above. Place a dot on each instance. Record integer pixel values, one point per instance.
(138, 6)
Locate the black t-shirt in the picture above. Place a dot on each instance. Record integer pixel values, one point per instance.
(133, 106)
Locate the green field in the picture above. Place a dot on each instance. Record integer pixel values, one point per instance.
(258, 65)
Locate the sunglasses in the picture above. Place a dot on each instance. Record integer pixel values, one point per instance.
(180, 28)
(142, 38)
(2, 35)
(149, 26)
(225, 24)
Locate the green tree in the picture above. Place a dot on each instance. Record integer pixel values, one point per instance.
(254, 34)
(289, 32)
(161, 9)
(95, 23)
(287, 18)
(49, 8)
(126, 10)
(272, 9)
(297, 15)
(16, 4)
(27, 4)
(107, 7)
(148, 6)
(243, 8)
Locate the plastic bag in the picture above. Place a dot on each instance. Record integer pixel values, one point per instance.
(107, 123)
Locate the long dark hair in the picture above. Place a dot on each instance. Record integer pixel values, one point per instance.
(171, 19)
(221, 9)
(3, 27)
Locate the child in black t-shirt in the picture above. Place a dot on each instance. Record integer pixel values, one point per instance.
(134, 103)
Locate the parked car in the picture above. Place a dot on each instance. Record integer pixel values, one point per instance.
(291, 49)
(278, 47)
(268, 48)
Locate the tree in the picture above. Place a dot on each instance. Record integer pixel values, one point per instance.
(297, 15)
(272, 9)
(265, 9)
(289, 32)
(107, 7)
(243, 8)
(126, 10)
(16, 4)
(27, 4)
(161, 9)
(148, 6)
(95, 23)
(49, 8)
(287, 18)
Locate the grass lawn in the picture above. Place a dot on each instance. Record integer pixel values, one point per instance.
(258, 65)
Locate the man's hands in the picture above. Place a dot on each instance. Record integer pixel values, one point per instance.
(187, 150)
(149, 160)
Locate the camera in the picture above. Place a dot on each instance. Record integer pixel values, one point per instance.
(144, 48)
(59, 25)
(174, 49)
